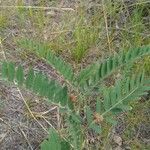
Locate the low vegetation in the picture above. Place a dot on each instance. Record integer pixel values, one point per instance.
(89, 61)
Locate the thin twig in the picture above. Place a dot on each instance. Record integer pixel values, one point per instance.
(2, 120)
(48, 122)
(106, 26)
(26, 138)
(139, 3)
(30, 110)
(38, 7)
(128, 31)
(45, 112)
(1, 46)
(3, 136)
(58, 118)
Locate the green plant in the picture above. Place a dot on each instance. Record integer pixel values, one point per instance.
(85, 34)
(103, 107)
(36, 82)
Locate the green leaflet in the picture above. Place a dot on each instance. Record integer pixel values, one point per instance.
(115, 62)
(53, 142)
(51, 90)
(4, 70)
(65, 145)
(103, 69)
(37, 83)
(57, 94)
(92, 125)
(107, 100)
(118, 89)
(30, 79)
(44, 86)
(113, 96)
(99, 106)
(110, 64)
(11, 72)
(111, 120)
(89, 115)
(20, 75)
(85, 73)
(8, 71)
(64, 97)
(76, 118)
(96, 128)
(74, 128)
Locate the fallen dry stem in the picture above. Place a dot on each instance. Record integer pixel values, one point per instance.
(106, 26)
(24, 135)
(38, 7)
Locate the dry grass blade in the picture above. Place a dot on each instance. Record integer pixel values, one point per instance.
(2, 136)
(24, 135)
(38, 7)
(27, 106)
(106, 26)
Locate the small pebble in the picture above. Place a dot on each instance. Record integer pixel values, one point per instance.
(118, 140)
